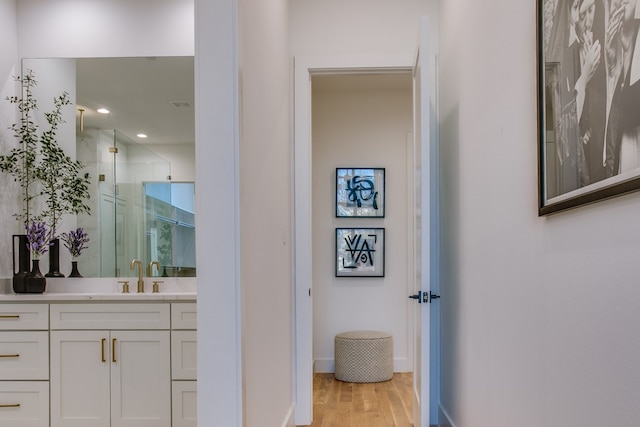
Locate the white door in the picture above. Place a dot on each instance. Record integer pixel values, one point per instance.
(425, 233)
(140, 379)
(80, 391)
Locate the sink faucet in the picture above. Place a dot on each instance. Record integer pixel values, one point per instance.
(150, 268)
(140, 281)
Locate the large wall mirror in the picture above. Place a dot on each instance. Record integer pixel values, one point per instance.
(133, 123)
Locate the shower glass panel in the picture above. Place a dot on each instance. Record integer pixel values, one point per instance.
(171, 229)
(117, 225)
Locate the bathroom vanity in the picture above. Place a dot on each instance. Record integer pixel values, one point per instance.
(83, 354)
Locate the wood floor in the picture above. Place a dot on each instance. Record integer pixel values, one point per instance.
(341, 404)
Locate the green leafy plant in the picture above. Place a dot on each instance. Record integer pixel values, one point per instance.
(41, 166)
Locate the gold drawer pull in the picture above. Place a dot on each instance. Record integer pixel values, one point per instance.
(9, 316)
(113, 350)
(103, 358)
(10, 355)
(9, 405)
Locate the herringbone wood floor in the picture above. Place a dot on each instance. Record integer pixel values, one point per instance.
(341, 404)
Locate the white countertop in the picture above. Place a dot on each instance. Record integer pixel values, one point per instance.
(105, 289)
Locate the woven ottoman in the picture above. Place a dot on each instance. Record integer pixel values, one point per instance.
(363, 356)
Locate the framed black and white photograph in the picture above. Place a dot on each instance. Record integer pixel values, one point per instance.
(359, 252)
(360, 192)
(588, 101)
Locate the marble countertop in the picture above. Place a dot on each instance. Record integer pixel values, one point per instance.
(104, 290)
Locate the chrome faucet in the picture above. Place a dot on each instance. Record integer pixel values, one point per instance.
(140, 281)
(150, 268)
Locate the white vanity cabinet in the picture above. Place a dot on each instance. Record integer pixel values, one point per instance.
(24, 365)
(110, 365)
(183, 364)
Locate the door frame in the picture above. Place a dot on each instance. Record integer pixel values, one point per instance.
(304, 68)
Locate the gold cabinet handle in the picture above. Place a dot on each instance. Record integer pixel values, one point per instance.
(9, 316)
(10, 355)
(9, 405)
(113, 350)
(104, 359)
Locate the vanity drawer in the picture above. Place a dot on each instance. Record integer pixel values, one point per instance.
(24, 403)
(183, 355)
(110, 316)
(183, 315)
(184, 404)
(24, 355)
(24, 317)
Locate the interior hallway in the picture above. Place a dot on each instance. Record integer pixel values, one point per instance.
(342, 404)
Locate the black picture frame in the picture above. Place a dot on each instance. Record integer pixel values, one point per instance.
(360, 192)
(588, 122)
(360, 252)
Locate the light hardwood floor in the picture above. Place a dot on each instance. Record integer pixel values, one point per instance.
(341, 404)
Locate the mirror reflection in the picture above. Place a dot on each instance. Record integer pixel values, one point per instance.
(139, 152)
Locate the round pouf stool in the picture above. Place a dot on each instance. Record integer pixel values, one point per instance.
(364, 356)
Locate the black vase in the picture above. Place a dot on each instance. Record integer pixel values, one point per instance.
(74, 270)
(35, 281)
(54, 259)
(24, 263)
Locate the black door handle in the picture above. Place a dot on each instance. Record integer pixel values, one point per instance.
(417, 296)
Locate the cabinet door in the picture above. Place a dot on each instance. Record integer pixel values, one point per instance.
(140, 379)
(184, 404)
(80, 362)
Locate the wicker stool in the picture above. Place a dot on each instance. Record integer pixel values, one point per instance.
(364, 356)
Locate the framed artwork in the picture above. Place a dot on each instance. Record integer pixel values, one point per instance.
(588, 101)
(359, 252)
(360, 192)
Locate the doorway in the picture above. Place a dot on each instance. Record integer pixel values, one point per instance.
(341, 298)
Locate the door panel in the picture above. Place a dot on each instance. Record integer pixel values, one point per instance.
(80, 379)
(425, 232)
(140, 379)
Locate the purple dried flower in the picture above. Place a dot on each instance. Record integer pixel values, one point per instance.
(75, 241)
(38, 237)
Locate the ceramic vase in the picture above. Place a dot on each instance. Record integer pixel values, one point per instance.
(54, 259)
(35, 282)
(22, 269)
(74, 270)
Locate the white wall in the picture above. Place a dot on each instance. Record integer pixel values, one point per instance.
(265, 212)
(367, 128)
(182, 157)
(96, 28)
(336, 27)
(9, 191)
(540, 315)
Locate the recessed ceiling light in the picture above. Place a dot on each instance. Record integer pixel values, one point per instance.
(103, 111)
(141, 135)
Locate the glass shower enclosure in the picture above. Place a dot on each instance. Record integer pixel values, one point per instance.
(134, 212)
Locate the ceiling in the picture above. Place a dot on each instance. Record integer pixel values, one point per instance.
(154, 96)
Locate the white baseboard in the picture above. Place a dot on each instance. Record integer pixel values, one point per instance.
(328, 365)
(290, 418)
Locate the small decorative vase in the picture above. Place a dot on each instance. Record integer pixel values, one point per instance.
(74, 270)
(24, 263)
(54, 259)
(35, 282)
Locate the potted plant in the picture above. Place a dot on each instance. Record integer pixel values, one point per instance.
(42, 169)
(75, 241)
(38, 238)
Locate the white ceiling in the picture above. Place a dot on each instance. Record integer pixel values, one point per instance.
(140, 94)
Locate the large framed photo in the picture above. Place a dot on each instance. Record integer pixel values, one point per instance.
(359, 252)
(588, 101)
(360, 192)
